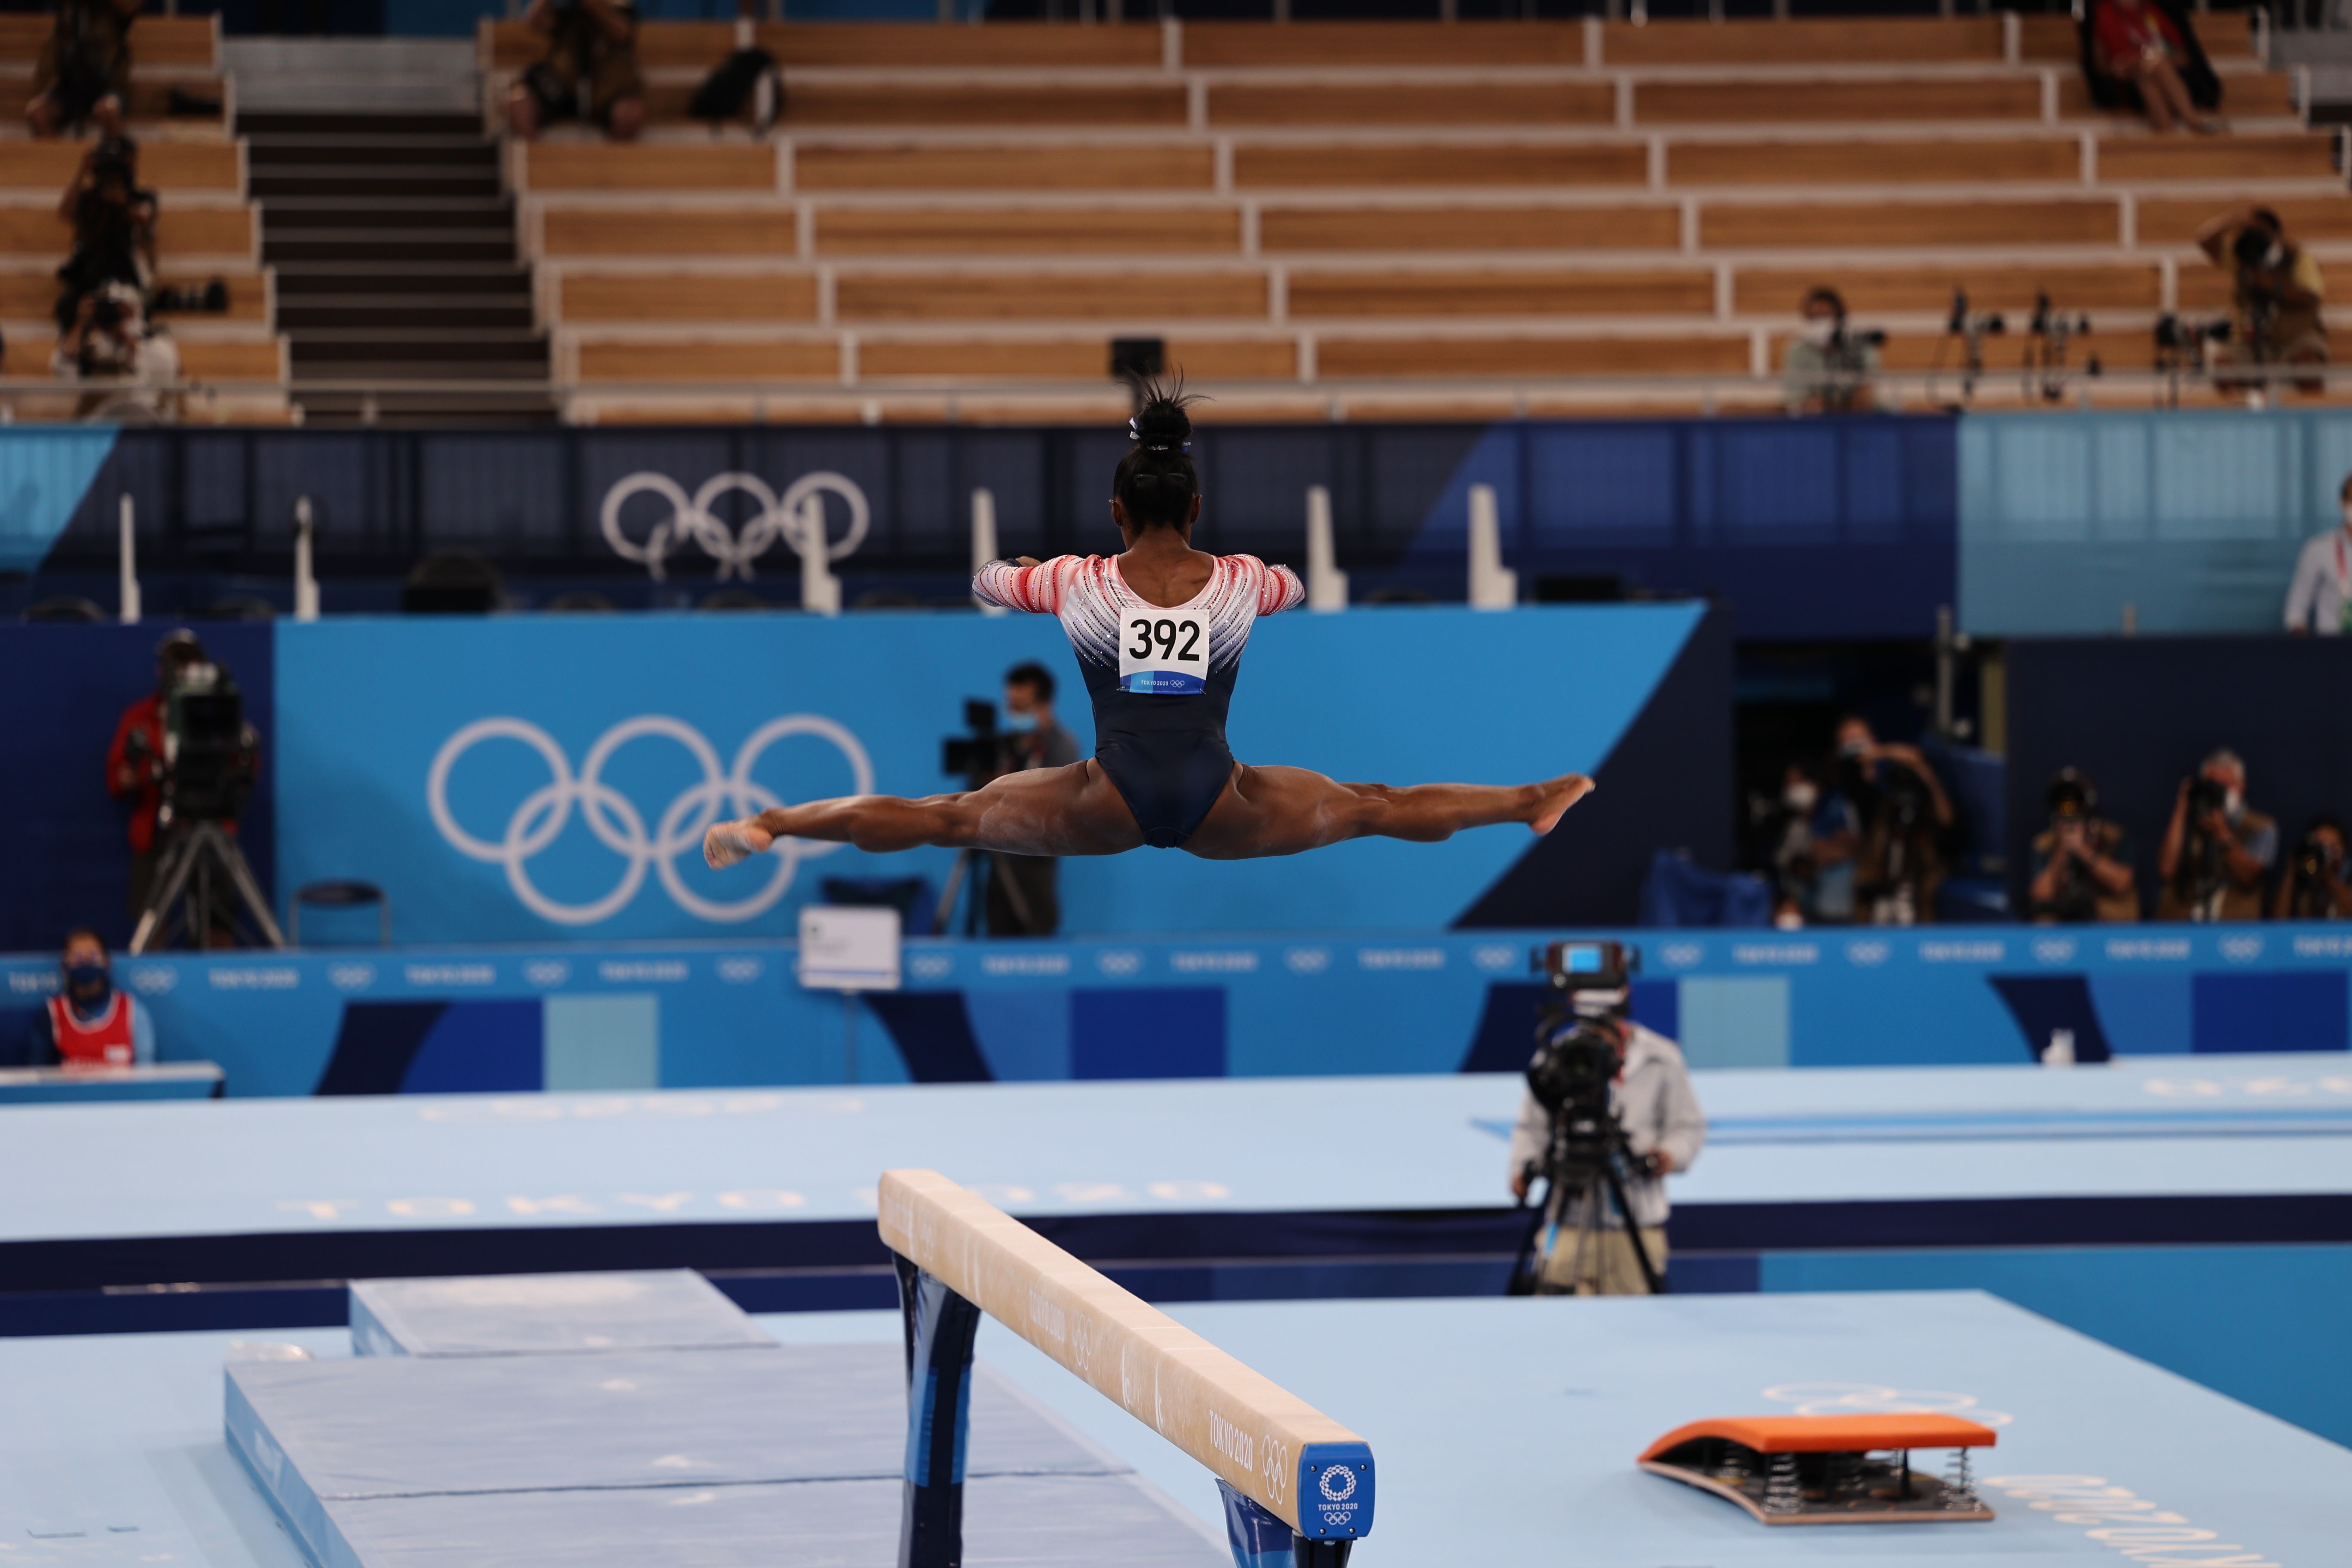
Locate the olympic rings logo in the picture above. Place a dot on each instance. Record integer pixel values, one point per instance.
(797, 517)
(618, 825)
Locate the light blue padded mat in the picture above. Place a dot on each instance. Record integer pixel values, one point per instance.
(374, 1426)
(538, 1314)
(1036, 1522)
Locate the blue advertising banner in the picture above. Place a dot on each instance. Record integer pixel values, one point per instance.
(523, 779)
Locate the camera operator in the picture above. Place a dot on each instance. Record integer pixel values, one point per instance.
(1023, 898)
(2216, 850)
(1905, 818)
(2318, 884)
(1828, 369)
(2082, 862)
(84, 72)
(89, 1022)
(1643, 1102)
(134, 763)
(591, 52)
(1809, 838)
(2276, 294)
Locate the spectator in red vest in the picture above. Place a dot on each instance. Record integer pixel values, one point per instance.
(134, 763)
(89, 1022)
(2143, 51)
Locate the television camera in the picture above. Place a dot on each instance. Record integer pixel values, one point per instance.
(1579, 1047)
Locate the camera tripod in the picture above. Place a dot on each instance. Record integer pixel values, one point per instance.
(1583, 1167)
(202, 872)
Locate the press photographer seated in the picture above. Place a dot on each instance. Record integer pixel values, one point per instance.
(2275, 295)
(84, 74)
(2216, 849)
(590, 70)
(1900, 850)
(113, 225)
(2082, 861)
(2317, 885)
(1829, 368)
(1608, 1115)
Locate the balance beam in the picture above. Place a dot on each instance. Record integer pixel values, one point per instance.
(1298, 1485)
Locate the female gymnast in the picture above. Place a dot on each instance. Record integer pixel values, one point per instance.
(1158, 632)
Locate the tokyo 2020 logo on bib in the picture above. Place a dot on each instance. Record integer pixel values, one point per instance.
(796, 517)
(619, 824)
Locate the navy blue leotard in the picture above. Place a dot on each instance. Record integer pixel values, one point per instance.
(1166, 754)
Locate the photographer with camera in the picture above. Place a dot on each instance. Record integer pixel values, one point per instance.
(2275, 293)
(2082, 862)
(1904, 816)
(114, 224)
(133, 361)
(1023, 897)
(1608, 1114)
(89, 1022)
(134, 763)
(84, 73)
(2216, 849)
(2318, 882)
(590, 70)
(1829, 369)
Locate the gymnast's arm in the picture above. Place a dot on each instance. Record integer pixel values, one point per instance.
(1032, 586)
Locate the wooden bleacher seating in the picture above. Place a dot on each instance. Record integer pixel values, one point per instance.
(207, 228)
(1352, 203)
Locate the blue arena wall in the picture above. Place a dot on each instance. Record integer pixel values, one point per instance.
(448, 762)
(611, 1017)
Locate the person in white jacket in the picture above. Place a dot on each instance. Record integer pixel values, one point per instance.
(1665, 1129)
(2320, 597)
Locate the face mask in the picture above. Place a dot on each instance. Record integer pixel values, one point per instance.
(1853, 750)
(87, 981)
(1020, 723)
(1820, 330)
(1800, 797)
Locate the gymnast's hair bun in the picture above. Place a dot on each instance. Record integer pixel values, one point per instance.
(1160, 424)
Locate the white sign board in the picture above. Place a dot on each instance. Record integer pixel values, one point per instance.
(844, 948)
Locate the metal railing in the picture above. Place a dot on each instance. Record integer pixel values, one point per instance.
(371, 400)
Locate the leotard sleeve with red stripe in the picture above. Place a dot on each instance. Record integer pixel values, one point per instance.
(1037, 590)
(1278, 587)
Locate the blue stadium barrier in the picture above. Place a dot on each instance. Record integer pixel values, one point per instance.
(704, 1014)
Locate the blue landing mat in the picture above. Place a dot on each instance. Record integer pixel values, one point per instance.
(377, 1426)
(1031, 1522)
(541, 1314)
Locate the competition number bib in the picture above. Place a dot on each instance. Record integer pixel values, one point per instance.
(1163, 653)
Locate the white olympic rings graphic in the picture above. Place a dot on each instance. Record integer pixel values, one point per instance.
(620, 827)
(797, 518)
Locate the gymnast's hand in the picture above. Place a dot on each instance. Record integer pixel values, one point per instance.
(730, 842)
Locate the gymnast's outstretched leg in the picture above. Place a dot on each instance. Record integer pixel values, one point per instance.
(1074, 810)
(1282, 811)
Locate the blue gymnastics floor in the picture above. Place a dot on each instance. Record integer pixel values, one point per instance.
(2196, 1212)
(1505, 1429)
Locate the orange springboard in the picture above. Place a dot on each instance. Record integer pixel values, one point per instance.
(1829, 1434)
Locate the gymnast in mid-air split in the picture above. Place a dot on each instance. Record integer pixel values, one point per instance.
(1158, 632)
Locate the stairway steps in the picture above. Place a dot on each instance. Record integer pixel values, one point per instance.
(352, 182)
(393, 243)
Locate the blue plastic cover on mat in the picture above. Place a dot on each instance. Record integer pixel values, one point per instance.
(538, 1314)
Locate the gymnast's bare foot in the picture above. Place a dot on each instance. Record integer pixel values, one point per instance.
(1553, 799)
(730, 842)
